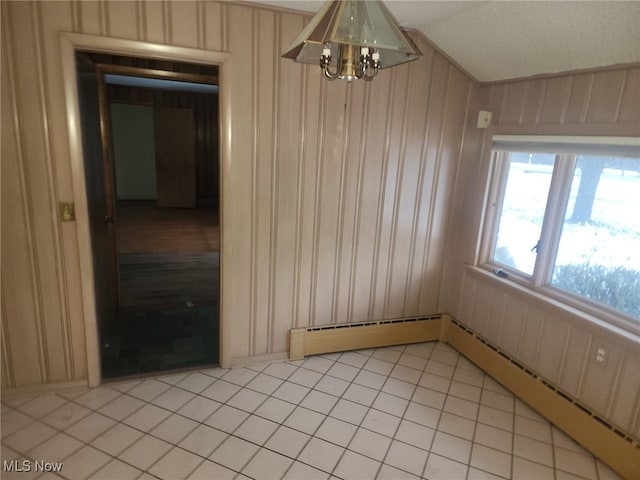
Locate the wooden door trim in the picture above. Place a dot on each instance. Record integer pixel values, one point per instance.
(69, 44)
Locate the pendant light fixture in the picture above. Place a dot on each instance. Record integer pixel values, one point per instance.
(353, 39)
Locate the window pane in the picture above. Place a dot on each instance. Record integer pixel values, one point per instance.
(522, 209)
(599, 250)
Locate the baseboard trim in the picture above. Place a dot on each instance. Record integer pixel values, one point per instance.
(57, 387)
(256, 359)
(358, 335)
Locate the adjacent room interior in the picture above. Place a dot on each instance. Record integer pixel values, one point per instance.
(150, 130)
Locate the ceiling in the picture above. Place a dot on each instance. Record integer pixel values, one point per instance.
(498, 40)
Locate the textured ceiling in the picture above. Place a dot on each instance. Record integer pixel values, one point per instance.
(497, 40)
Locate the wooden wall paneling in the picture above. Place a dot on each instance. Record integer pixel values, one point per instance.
(154, 22)
(579, 97)
(575, 356)
(483, 297)
(599, 379)
(236, 183)
(405, 184)
(450, 143)
(314, 163)
(630, 98)
(405, 281)
(605, 106)
(414, 223)
(513, 326)
(465, 310)
(8, 378)
(185, 24)
(532, 105)
(531, 332)
(122, 20)
(495, 102)
(554, 335)
(93, 17)
(432, 157)
(352, 165)
(59, 172)
(264, 78)
(554, 100)
(214, 21)
(464, 219)
(312, 105)
(26, 365)
(53, 18)
(511, 107)
(37, 167)
(375, 125)
(286, 166)
(380, 196)
(497, 317)
(327, 213)
(625, 410)
(395, 188)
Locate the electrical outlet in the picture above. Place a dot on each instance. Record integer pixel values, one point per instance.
(601, 356)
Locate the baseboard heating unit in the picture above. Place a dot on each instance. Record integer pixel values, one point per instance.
(354, 336)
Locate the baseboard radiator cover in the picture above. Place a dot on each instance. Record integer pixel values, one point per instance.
(359, 335)
(611, 444)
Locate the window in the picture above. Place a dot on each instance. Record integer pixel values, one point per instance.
(564, 218)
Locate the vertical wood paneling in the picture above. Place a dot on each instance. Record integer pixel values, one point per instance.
(22, 314)
(532, 103)
(46, 48)
(236, 183)
(531, 332)
(514, 97)
(604, 105)
(578, 98)
(512, 326)
(154, 23)
(122, 20)
(185, 26)
(414, 233)
(574, 359)
(598, 380)
(212, 31)
(626, 408)
(427, 202)
(92, 18)
(630, 98)
(366, 240)
(286, 163)
(553, 103)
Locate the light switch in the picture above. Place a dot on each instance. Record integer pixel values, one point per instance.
(67, 212)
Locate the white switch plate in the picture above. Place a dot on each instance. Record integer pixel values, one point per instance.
(484, 119)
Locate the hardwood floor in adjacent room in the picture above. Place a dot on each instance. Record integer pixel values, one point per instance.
(168, 256)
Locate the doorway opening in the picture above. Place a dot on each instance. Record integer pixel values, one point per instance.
(150, 138)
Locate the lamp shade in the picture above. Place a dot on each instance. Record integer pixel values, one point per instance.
(351, 22)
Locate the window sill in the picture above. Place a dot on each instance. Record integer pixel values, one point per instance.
(580, 318)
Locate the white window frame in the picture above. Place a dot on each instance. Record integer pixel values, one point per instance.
(567, 149)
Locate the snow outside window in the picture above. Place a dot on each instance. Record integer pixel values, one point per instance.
(564, 218)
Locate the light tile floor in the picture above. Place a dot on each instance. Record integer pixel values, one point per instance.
(405, 412)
